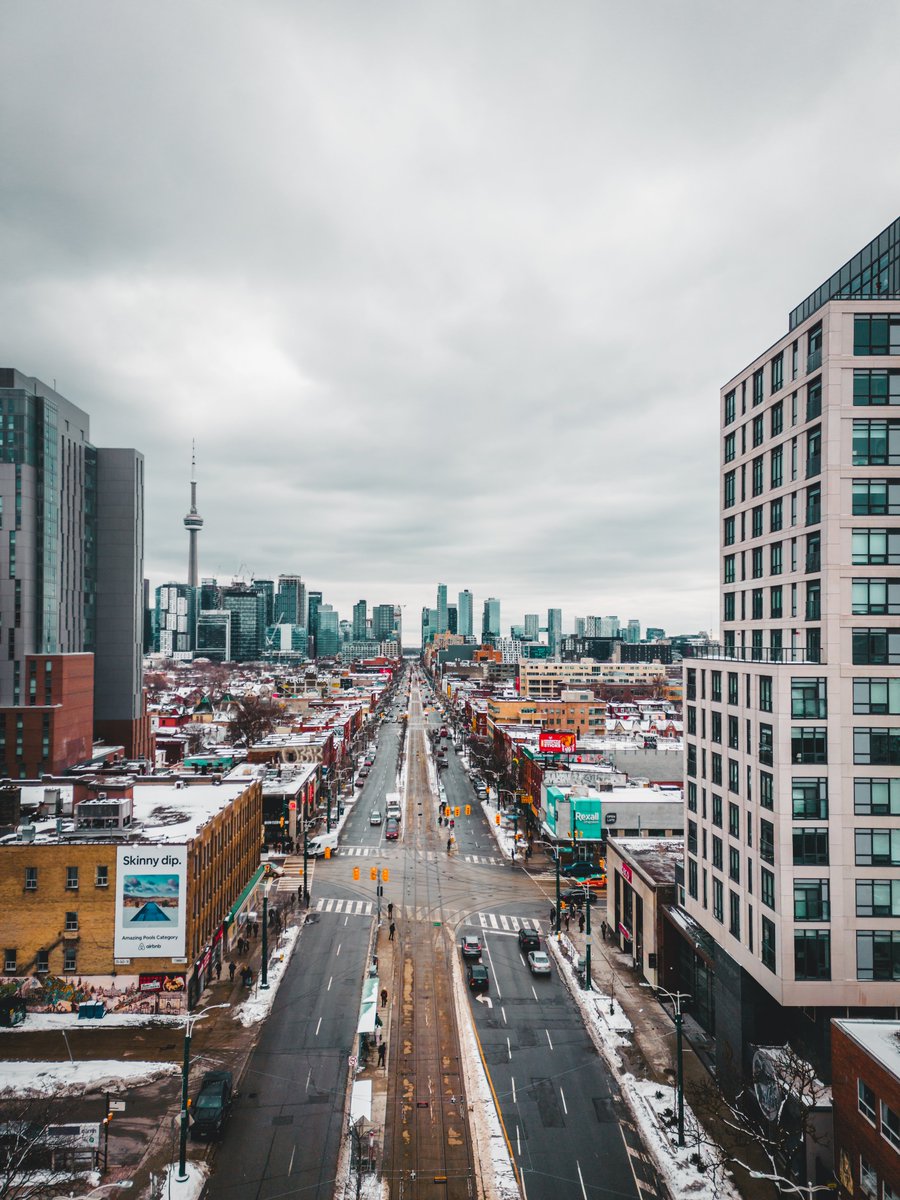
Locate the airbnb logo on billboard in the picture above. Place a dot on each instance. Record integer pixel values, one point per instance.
(557, 743)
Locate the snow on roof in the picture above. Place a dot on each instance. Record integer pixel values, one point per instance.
(655, 858)
(880, 1039)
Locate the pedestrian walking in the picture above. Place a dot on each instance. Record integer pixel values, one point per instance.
(566, 918)
(581, 922)
(299, 891)
(552, 914)
(382, 1051)
(383, 997)
(232, 967)
(390, 910)
(603, 928)
(392, 929)
(218, 970)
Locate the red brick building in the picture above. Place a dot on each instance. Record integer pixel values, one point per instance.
(54, 726)
(866, 1092)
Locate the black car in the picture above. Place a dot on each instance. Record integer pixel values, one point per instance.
(210, 1110)
(575, 897)
(529, 939)
(580, 869)
(477, 975)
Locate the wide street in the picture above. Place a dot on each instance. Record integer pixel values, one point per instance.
(557, 1101)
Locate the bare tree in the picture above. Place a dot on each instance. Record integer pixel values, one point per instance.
(35, 1162)
(253, 718)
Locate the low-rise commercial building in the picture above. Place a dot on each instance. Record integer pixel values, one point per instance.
(865, 1059)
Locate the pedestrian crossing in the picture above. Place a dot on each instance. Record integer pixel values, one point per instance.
(483, 860)
(292, 877)
(353, 908)
(500, 922)
(506, 923)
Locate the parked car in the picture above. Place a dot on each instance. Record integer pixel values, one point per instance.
(580, 869)
(374, 817)
(470, 946)
(575, 897)
(392, 829)
(477, 975)
(538, 962)
(213, 1104)
(529, 939)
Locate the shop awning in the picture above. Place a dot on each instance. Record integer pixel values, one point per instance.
(242, 899)
(368, 1009)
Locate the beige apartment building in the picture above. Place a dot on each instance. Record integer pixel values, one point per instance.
(541, 679)
(792, 734)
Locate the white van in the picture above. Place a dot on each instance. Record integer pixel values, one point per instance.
(322, 842)
(392, 806)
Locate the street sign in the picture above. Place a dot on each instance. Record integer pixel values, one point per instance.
(117, 1106)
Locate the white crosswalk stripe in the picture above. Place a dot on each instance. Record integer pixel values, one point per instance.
(358, 851)
(355, 908)
(483, 859)
(501, 921)
(292, 878)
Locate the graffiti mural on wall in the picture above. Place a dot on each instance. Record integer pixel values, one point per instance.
(50, 993)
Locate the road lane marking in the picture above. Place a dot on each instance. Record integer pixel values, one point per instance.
(508, 1050)
(503, 1014)
(562, 1096)
(318, 1026)
(518, 1141)
(308, 1078)
(533, 992)
(513, 1085)
(337, 952)
(547, 1031)
(581, 1179)
(331, 981)
(291, 1163)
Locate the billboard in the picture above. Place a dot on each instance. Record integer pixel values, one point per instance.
(151, 901)
(557, 743)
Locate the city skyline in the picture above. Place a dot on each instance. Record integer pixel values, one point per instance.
(479, 334)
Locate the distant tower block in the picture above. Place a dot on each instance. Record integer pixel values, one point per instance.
(193, 523)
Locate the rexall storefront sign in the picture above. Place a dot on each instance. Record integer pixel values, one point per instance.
(563, 812)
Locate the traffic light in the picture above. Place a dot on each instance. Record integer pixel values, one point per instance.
(373, 872)
(281, 822)
(496, 818)
(356, 872)
(456, 811)
(469, 810)
(384, 875)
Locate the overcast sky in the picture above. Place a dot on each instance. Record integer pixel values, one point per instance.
(444, 291)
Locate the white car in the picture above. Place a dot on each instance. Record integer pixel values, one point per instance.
(538, 962)
(374, 817)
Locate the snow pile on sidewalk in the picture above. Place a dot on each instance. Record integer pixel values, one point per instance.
(188, 1189)
(259, 1005)
(72, 1079)
(603, 1016)
(65, 1022)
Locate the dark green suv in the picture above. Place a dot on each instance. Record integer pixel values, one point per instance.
(213, 1104)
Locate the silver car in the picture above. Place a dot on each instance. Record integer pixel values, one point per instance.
(538, 962)
(374, 817)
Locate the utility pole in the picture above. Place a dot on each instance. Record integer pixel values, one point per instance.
(264, 966)
(677, 999)
(185, 1074)
(558, 914)
(587, 938)
(305, 866)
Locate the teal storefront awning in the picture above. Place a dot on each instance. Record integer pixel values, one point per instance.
(241, 900)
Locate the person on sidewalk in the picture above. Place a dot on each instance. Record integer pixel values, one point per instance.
(390, 910)
(392, 929)
(382, 1051)
(581, 922)
(566, 919)
(232, 967)
(218, 970)
(383, 997)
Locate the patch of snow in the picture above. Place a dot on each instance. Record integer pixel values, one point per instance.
(73, 1079)
(191, 1188)
(259, 1005)
(44, 1022)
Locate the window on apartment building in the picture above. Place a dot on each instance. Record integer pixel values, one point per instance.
(756, 562)
(876, 797)
(878, 954)
(715, 724)
(809, 698)
(890, 1125)
(767, 888)
(875, 597)
(814, 452)
(101, 876)
(878, 897)
(776, 378)
(10, 963)
(71, 878)
(766, 744)
(766, 790)
(866, 1097)
(732, 687)
(777, 419)
(71, 921)
(795, 359)
(814, 504)
(809, 744)
(793, 472)
(734, 776)
(875, 547)
(734, 820)
(767, 841)
(715, 686)
(810, 847)
(876, 443)
(717, 852)
(767, 946)
(876, 498)
(811, 900)
(692, 797)
(733, 733)
(776, 467)
(814, 348)
(730, 447)
(814, 399)
(729, 493)
(776, 516)
(734, 864)
(758, 395)
(756, 525)
(692, 878)
(876, 647)
(728, 609)
(876, 388)
(717, 810)
(715, 764)
(70, 959)
(877, 847)
(876, 747)
(31, 879)
(718, 899)
(728, 531)
(809, 799)
(42, 962)
(813, 553)
(876, 334)
(765, 691)
(734, 914)
(730, 408)
(758, 430)
(776, 604)
(756, 604)
(756, 475)
(691, 767)
(868, 1178)
(812, 954)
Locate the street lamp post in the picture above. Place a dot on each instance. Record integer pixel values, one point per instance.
(264, 966)
(677, 998)
(558, 914)
(191, 1020)
(306, 866)
(587, 938)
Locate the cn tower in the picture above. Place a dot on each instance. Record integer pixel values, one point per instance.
(193, 523)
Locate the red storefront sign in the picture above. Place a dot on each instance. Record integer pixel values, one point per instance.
(556, 743)
(626, 872)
